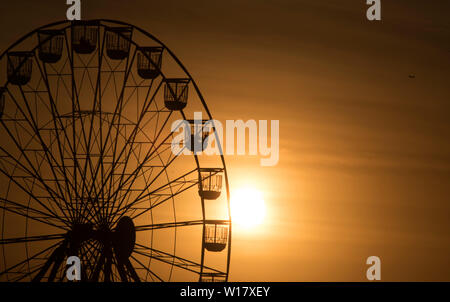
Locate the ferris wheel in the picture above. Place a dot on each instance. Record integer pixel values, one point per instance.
(86, 164)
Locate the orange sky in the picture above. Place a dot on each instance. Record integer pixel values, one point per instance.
(364, 152)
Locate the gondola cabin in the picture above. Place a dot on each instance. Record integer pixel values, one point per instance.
(199, 133)
(216, 237)
(84, 36)
(149, 62)
(20, 67)
(210, 185)
(118, 42)
(176, 93)
(50, 45)
(212, 277)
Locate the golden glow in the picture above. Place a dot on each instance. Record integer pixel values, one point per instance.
(247, 207)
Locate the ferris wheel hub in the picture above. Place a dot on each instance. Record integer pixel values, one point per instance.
(122, 238)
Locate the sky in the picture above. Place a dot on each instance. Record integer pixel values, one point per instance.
(364, 163)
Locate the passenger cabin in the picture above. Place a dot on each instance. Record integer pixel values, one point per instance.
(212, 277)
(149, 62)
(216, 237)
(118, 42)
(20, 66)
(84, 36)
(210, 185)
(199, 134)
(176, 93)
(50, 45)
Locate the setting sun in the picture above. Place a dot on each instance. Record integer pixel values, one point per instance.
(247, 207)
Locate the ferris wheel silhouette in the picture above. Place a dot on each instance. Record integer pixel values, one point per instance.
(86, 165)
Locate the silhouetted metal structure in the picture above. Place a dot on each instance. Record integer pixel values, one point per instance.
(50, 45)
(86, 166)
(176, 93)
(200, 131)
(211, 183)
(216, 236)
(118, 42)
(20, 67)
(150, 62)
(84, 36)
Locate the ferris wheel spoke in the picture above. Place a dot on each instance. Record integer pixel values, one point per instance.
(134, 174)
(51, 162)
(103, 143)
(130, 140)
(53, 259)
(103, 207)
(104, 263)
(31, 195)
(31, 271)
(75, 107)
(170, 259)
(55, 118)
(117, 116)
(131, 270)
(126, 269)
(86, 198)
(176, 187)
(121, 269)
(128, 144)
(114, 272)
(96, 107)
(96, 103)
(181, 186)
(150, 227)
(81, 138)
(152, 274)
(31, 239)
(57, 265)
(98, 267)
(91, 253)
(32, 174)
(177, 181)
(48, 155)
(22, 150)
(29, 259)
(119, 105)
(164, 165)
(24, 211)
(108, 274)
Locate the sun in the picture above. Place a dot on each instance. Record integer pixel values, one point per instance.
(247, 207)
